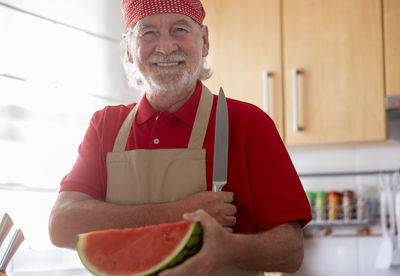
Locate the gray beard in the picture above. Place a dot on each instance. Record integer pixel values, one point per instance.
(172, 84)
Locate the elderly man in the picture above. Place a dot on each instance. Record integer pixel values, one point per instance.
(152, 162)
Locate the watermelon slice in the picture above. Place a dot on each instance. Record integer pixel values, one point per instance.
(139, 251)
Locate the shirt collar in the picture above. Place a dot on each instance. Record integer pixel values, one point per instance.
(186, 113)
(145, 111)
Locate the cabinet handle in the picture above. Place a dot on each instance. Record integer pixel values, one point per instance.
(296, 127)
(266, 76)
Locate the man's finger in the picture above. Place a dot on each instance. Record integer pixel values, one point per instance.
(198, 215)
(230, 209)
(229, 221)
(228, 229)
(228, 196)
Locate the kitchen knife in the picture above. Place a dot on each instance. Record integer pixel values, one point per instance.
(5, 226)
(220, 170)
(15, 242)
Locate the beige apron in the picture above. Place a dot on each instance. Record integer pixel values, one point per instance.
(161, 175)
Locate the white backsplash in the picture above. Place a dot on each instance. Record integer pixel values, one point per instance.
(349, 159)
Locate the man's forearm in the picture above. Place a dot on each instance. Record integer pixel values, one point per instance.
(279, 249)
(79, 216)
(76, 212)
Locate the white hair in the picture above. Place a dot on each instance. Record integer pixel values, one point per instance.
(133, 75)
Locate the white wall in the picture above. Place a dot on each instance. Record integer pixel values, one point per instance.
(345, 159)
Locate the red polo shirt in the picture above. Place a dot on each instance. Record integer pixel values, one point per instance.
(267, 189)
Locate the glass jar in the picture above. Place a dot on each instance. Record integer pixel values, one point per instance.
(333, 205)
(348, 203)
(320, 205)
(311, 199)
(361, 208)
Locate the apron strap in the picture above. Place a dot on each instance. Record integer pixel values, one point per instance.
(201, 121)
(199, 126)
(123, 134)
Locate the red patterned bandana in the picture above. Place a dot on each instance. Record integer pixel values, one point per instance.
(134, 10)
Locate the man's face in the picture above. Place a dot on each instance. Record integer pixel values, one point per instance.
(168, 48)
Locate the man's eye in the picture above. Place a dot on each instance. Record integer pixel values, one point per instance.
(148, 33)
(180, 30)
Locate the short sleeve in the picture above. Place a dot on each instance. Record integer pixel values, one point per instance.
(88, 173)
(278, 195)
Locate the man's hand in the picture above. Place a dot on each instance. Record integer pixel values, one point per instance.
(278, 249)
(217, 204)
(214, 252)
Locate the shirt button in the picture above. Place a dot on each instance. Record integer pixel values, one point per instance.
(156, 141)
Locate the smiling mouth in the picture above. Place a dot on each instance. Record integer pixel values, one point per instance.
(167, 64)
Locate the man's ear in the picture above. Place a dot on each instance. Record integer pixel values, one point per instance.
(206, 42)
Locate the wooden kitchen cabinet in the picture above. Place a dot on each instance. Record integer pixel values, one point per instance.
(391, 12)
(245, 38)
(336, 47)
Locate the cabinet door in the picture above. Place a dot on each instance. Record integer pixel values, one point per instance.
(337, 47)
(391, 15)
(245, 41)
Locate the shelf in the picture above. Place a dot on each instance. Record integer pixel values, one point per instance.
(25, 188)
(370, 211)
(355, 222)
(333, 174)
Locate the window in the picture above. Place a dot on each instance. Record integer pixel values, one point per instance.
(53, 77)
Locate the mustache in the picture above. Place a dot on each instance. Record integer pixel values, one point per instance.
(173, 57)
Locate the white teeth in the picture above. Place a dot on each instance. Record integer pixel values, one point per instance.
(168, 64)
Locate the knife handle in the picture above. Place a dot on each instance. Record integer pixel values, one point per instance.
(15, 242)
(5, 226)
(218, 185)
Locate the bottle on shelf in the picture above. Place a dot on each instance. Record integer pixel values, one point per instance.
(348, 205)
(320, 206)
(334, 205)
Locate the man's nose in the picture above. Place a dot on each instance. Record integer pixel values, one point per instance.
(166, 44)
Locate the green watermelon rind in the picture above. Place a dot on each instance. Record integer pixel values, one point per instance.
(80, 244)
(189, 246)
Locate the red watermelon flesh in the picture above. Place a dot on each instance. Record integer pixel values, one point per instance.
(139, 251)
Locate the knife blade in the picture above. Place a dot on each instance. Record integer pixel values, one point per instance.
(220, 169)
